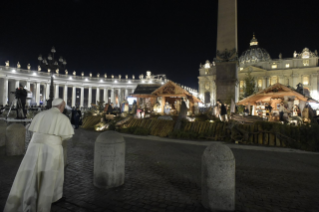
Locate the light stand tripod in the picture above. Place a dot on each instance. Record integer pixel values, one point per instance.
(19, 109)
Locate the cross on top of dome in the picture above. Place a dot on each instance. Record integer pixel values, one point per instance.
(254, 41)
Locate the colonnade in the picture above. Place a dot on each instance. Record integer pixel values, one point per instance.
(117, 94)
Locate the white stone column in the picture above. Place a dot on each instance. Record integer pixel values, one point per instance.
(126, 93)
(3, 91)
(65, 94)
(264, 82)
(119, 97)
(27, 85)
(56, 93)
(314, 86)
(106, 96)
(90, 97)
(295, 80)
(112, 97)
(82, 97)
(47, 91)
(37, 93)
(73, 96)
(97, 95)
(17, 84)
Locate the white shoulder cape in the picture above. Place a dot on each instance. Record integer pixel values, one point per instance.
(52, 122)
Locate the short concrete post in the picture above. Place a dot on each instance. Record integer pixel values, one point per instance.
(218, 178)
(109, 160)
(3, 128)
(15, 140)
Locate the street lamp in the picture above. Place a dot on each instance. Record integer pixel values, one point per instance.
(51, 65)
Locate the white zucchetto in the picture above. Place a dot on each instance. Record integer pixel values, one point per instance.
(57, 102)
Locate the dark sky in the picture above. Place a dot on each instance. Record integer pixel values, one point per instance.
(130, 37)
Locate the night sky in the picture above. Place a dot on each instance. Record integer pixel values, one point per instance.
(131, 37)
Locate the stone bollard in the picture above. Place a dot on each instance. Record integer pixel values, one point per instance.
(3, 128)
(109, 160)
(15, 139)
(218, 178)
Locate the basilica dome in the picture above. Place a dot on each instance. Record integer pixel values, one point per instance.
(254, 54)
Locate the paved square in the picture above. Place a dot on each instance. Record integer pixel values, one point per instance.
(165, 176)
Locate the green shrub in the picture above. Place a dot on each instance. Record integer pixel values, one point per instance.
(141, 131)
(112, 126)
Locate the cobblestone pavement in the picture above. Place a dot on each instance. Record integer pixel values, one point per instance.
(163, 176)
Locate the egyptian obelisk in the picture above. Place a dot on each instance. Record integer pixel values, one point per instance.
(226, 53)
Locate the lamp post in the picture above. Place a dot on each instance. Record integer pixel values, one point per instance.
(51, 65)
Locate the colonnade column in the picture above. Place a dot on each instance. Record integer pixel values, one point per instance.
(65, 94)
(106, 95)
(126, 93)
(264, 82)
(73, 96)
(119, 97)
(56, 93)
(82, 97)
(90, 97)
(112, 96)
(17, 84)
(28, 90)
(37, 95)
(3, 91)
(47, 91)
(97, 99)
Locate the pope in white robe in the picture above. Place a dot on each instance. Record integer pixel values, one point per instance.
(39, 181)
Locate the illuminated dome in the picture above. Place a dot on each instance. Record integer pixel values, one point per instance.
(254, 54)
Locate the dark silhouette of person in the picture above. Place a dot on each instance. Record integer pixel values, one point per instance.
(21, 95)
(77, 117)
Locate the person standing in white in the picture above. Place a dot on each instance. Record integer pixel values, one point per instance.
(39, 181)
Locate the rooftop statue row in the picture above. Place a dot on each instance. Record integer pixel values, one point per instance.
(148, 75)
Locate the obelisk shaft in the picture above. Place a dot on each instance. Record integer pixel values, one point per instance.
(226, 53)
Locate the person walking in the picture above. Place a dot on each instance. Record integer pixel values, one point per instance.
(40, 177)
(77, 118)
(21, 95)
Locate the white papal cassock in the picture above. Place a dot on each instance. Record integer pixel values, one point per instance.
(39, 181)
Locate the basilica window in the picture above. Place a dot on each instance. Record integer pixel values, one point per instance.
(274, 66)
(287, 65)
(306, 63)
(305, 80)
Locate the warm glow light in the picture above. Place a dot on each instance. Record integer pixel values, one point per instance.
(101, 80)
(143, 81)
(34, 74)
(287, 65)
(115, 81)
(86, 79)
(274, 66)
(129, 81)
(70, 78)
(13, 71)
